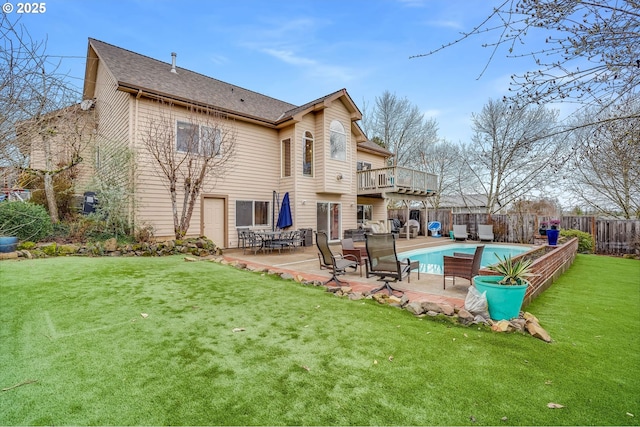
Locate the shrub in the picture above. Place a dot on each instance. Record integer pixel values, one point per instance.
(585, 240)
(25, 220)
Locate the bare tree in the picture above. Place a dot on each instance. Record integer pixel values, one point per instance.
(443, 160)
(606, 172)
(38, 118)
(401, 128)
(189, 156)
(510, 155)
(590, 54)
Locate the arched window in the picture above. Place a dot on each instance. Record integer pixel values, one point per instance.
(338, 141)
(307, 154)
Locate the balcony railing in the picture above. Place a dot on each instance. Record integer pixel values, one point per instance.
(396, 180)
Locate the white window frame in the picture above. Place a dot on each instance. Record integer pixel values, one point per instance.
(253, 213)
(201, 130)
(285, 158)
(333, 234)
(308, 137)
(337, 141)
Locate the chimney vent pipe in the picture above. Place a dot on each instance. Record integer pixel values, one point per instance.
(173, 62)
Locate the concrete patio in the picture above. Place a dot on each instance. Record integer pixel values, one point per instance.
(304, 262)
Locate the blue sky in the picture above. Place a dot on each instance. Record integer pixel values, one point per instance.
(298, 50)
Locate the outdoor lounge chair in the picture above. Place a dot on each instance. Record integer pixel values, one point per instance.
(348, 248)
(461, 265)
(338, 264)
(383, 261)
(460, 232)
(485, 232)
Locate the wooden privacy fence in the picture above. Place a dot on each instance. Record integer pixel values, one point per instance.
(610, 236)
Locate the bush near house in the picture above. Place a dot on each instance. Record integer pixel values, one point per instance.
(25, 220)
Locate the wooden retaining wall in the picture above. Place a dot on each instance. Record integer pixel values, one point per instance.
(546, 268)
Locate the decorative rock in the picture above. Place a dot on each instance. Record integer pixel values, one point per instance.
(286, 276)
(110, 245)
(355, 296)
(465, 316)
(530, 317)
(431, 306)
(415, 307)
(190, 259)
(537, 331)
(432, 313)
(404, 300)
(333, 289)
(394, 300)
(381, 298)
(501, 326)
(241, 266)
(447, 309)
(518, 324)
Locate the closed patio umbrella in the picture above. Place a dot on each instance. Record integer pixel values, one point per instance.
(284, 217)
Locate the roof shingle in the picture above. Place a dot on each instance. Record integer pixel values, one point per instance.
(136, 71)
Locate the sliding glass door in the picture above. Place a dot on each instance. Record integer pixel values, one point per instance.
(329, 219)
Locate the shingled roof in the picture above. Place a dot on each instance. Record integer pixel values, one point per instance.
(135, 72)
(138, 72)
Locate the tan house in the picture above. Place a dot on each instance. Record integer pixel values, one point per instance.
(316, 152)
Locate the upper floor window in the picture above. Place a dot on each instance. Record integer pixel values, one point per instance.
(195, 139)
(338, 141)
(307, 154)
(286, 157)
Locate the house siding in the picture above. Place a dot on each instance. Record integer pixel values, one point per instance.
(254, 173)
(256, 170)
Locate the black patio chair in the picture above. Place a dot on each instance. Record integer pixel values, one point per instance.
(338, 264)
(383, 261)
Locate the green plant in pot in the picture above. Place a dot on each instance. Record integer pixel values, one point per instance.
(505, 292)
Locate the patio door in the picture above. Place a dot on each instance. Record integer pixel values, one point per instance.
(329, 219)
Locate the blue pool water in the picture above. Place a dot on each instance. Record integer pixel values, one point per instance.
(431, 258)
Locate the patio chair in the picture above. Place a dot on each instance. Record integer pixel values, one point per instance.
(252, 241)
(348, 248)
(382, 261)
(338, 264)
(485, 232)
(242, 236)
(460, 232)
(461, 265)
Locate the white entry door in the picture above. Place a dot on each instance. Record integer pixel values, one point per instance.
(213, 212)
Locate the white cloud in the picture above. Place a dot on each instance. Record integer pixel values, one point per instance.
(313, 67)
(456, 25)
(432, 113)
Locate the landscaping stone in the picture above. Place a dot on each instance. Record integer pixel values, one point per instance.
(537, 331)
(355, 296)
(111, 245)
(415, 307)
(447, 309)
(287, 276)
(431, 306)
(465, 316)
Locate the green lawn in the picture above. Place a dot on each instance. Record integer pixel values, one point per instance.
(305, 357)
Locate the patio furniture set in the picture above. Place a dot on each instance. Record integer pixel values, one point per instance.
(269, 240)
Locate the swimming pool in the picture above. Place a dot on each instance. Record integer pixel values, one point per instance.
(431, 258)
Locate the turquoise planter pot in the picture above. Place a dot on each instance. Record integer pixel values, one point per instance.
(504, 301)
(8, 244)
